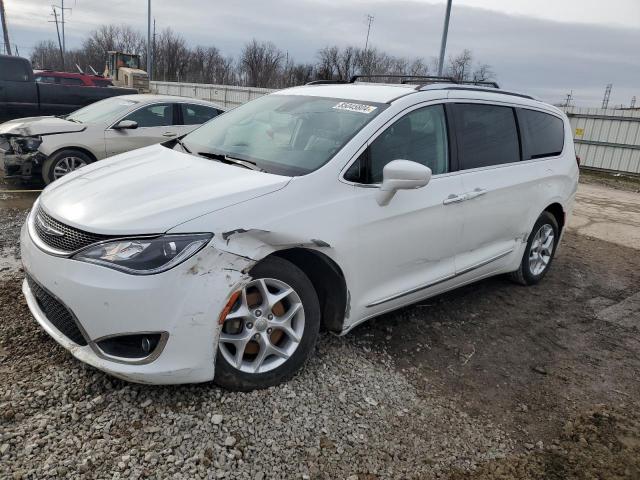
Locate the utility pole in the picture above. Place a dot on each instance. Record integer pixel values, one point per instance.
(369, 21)
(55, 16)
(445, 33)
(149, 39)
(607, 95)
(567, 101)
(3, 20)
(633, 102)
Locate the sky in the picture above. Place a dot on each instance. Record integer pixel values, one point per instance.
(543, 47)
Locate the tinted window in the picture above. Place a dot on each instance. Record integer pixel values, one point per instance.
(45, 79)
(153, 116)
(14, 71)
(197, 114)
(543, 134)
(420, 136)
(487, 135)
(71, 81)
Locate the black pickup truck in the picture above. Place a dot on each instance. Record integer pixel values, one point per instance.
(21, 96)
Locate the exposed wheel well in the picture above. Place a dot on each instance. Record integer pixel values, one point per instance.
(328, 281)
(557, 211)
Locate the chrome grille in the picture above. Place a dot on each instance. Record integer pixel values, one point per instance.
(55, 311)
(62, 237)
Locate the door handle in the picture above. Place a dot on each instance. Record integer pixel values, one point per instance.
(453, 198)
(475, 193)
(169, 134)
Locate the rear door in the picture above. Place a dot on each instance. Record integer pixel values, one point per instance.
(155, 124)
(500, 192)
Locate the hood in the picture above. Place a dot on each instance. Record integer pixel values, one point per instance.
(151, 190)
(32, 126)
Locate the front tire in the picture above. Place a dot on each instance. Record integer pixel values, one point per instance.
(538, 255)
(271, 330)
(63, 162)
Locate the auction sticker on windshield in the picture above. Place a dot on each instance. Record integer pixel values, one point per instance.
(355, 107)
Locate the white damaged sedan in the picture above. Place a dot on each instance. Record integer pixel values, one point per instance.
(220, 255)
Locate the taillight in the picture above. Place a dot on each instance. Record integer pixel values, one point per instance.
(578, 160)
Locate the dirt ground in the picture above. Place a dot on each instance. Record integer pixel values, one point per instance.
(556, 366)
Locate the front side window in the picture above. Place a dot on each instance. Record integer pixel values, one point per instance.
(543, 134)
(160, 115)
(284, 134)
(197, 114)
(45, 79)
(486, 135)
(419, 136)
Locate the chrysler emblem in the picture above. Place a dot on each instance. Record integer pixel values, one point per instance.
(47, 229)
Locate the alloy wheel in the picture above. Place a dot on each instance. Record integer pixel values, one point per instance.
(541, 249)
(67, 165)
(264, 328)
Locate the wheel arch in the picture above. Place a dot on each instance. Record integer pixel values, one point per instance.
(84, 150)
(328, 281)
(558, 212)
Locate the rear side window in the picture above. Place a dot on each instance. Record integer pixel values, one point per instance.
(197, 114)
(14, 71)
(486, 135)
(542, 134)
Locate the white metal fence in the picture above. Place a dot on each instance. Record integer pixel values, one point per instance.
(224, 95)
(605, 139)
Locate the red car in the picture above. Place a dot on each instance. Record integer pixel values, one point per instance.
(67, 78)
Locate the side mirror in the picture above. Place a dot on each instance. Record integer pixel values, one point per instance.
(401, 175)
(125, 125)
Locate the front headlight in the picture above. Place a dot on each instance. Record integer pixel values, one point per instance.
(145, 256)
(25, 144)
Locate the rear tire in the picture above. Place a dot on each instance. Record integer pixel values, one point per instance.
(63, 162)
(256, 318)
(540, 250)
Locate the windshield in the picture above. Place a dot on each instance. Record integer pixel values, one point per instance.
(284, 134)
(101, 111)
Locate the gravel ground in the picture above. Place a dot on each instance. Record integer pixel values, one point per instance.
(491, 381)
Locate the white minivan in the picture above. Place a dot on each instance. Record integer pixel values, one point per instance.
(220, 255)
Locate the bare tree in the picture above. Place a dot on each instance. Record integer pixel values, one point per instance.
(459, 67)
(260, 62)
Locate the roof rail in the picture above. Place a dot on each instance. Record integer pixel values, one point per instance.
(405, 78)
(325, 82)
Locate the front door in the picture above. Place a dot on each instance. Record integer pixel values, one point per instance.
(155, 125)
(408, 247)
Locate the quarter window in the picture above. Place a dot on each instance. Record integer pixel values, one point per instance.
(543, 134)
(419, 136)
(197, 114)
(159, 115)
(486, 135)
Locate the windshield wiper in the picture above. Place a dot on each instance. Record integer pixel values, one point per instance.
(231, 160)
(181, 143)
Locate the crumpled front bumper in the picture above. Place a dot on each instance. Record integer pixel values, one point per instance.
(185, 302)
(25, 166)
